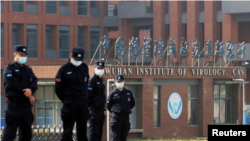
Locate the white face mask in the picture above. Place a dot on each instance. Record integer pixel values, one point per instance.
(76, 63)
(99, 72)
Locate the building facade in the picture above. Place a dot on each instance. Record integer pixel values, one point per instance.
(51, 29)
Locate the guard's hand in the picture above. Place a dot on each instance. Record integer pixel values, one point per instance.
(32, 99)
(27, 92)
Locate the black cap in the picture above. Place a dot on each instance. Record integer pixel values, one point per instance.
(99, 64)
(119, 78)
(78, 53)
(20, 49)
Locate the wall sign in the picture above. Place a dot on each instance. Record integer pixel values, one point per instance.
(174, 105)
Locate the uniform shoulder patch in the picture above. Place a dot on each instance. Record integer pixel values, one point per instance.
(58, 80)
(89, 88)
(9, 75)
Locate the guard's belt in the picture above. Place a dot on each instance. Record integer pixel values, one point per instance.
(122, 114)
(79, 97)
(16, 99)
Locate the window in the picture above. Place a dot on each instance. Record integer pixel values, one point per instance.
(168, 6)
(31, 7)
(51, 7)
(202, 6)
(157, 106)
(81, 36)
(95, 40)
(64, 42)
(223, 104)
(61, 3)
(17, 6)
(2, 7)
(31, 31)
(93, 3)
(47, 107)
(2, 40)
(133, 115)
(29, 2)
(220, 5)
(184, 6)
(192, 105)
(48, 37)
(14, 35)
(82, 8)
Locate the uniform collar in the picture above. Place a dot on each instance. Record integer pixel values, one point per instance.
(18, 65)
(96, 76)
(119, 90)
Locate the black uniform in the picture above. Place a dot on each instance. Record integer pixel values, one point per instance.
(97, 99)
(120, 104)
(18, 114)
(71, 89)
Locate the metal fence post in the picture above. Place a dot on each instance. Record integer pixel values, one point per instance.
(32, 131)
(54, 134)
(43, 135)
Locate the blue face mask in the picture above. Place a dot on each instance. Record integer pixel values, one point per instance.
(120, 85)
(76, 63)
(22, 60)
(99, 72)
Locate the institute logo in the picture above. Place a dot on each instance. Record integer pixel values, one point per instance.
(174, 105)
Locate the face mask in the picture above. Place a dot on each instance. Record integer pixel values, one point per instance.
(99, 72)
(22, 60)
(119, 85)
(76, 63)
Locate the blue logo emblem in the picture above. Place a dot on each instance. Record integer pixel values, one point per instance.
(9, 75)
(174, 105)
(89, 88)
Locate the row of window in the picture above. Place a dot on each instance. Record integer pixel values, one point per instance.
(51, 7)
(47, 106)
(223, 105)
(51, 49)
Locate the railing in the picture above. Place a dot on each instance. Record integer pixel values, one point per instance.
(45, 133)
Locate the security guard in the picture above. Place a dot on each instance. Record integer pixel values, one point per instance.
(20, 84)
(71, 89)
(97, 100)
(120, 102)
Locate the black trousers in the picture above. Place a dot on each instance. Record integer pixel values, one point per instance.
(120, 127)
(96, 123)
(18, 115)
(76, 111)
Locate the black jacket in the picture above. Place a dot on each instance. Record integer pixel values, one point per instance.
(96, 93)
(96, 89)
(120, 101)
(70, 81)
(18, 77)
